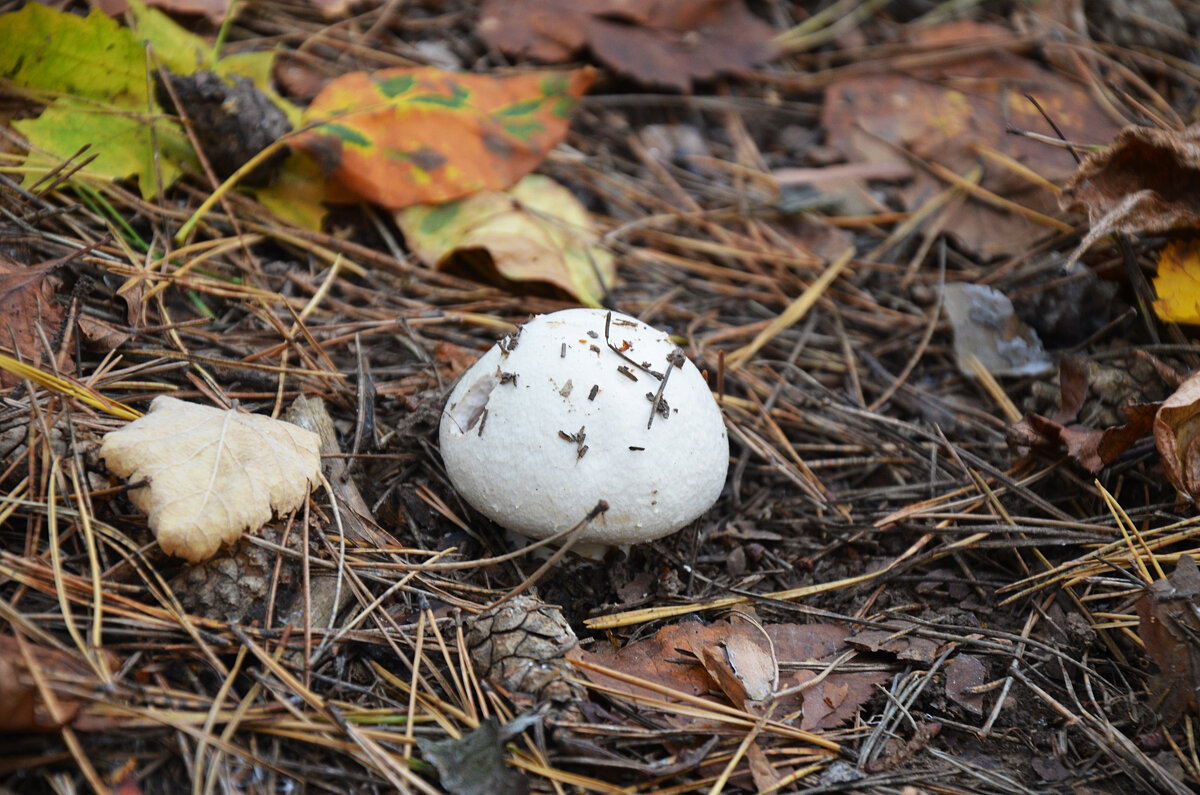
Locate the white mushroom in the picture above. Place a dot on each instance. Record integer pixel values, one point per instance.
(581, 406)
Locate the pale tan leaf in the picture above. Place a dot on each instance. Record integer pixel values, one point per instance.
(212, 473)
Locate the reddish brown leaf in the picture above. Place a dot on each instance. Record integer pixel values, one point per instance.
(1093, 449)
(658, 660)
(21, 706)
(1073, 384)
(1143, 183)
(905, 647)
(1169, 627)
(741, 665)
(1177, 435)
(737, 655)
(964, 673)
(668, 43)
(26, 304)
(948, 114)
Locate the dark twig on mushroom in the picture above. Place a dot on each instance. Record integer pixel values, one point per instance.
(674, 359)
(644, 366)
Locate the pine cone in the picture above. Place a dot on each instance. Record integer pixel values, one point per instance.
(521, 646)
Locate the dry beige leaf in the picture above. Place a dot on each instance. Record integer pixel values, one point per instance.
(1177, 436)
(212, 473)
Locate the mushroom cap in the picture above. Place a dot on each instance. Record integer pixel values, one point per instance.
(544, 425)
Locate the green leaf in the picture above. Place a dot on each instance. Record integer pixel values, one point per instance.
(179, 50)
(90, 57)
(122, 142)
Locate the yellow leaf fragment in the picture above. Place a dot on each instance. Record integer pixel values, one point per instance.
(1178, 283)
(534, 231)
(211, 473)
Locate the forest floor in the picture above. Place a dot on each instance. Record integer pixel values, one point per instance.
(937, 596)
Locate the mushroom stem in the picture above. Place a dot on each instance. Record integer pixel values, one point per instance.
(570, 538)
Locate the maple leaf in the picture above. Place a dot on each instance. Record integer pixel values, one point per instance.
(400, 137)
(535, 231)
(211, 473)
(668, 43)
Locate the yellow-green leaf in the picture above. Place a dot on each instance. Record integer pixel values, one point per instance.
(535, 231)
(399, 137)
(121, 141)
(1178, 283)
(298, 193)
(90, 57)
(179, 50)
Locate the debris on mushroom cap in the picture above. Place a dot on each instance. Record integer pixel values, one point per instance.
(590, 405)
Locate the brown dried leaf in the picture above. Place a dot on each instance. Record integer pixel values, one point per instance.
(668, 43)
(26, 303)
(696, 659)
(1177, 436)
(947, 114)
(1170, 628)
(21, 706)
(211, 473)
(657, 660)
(1143, 183)
(742, 666)
(905, 647)
(1091, 448)
(963, 673)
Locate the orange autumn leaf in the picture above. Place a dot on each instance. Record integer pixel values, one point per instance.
(1178, 283)
(408, 136)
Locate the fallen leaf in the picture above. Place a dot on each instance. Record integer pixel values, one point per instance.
(904, 646)
(1142, 183)
(91, 57)
(668, 43)
(26, 305)
(659, 660)
(742, 666)
(125, 146)
(1169, 627)
(400, 137)
(1092, 448)
(474, 764)
(211, 473)
(299, 193)
(97, 73)
(986, 326)
(964, 673)
(672, 658)
(535, 231)
(22, 708)
(1177, 436)
(952, 114)
(1177, 283)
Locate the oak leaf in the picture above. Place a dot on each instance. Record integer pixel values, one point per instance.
(211, 473)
